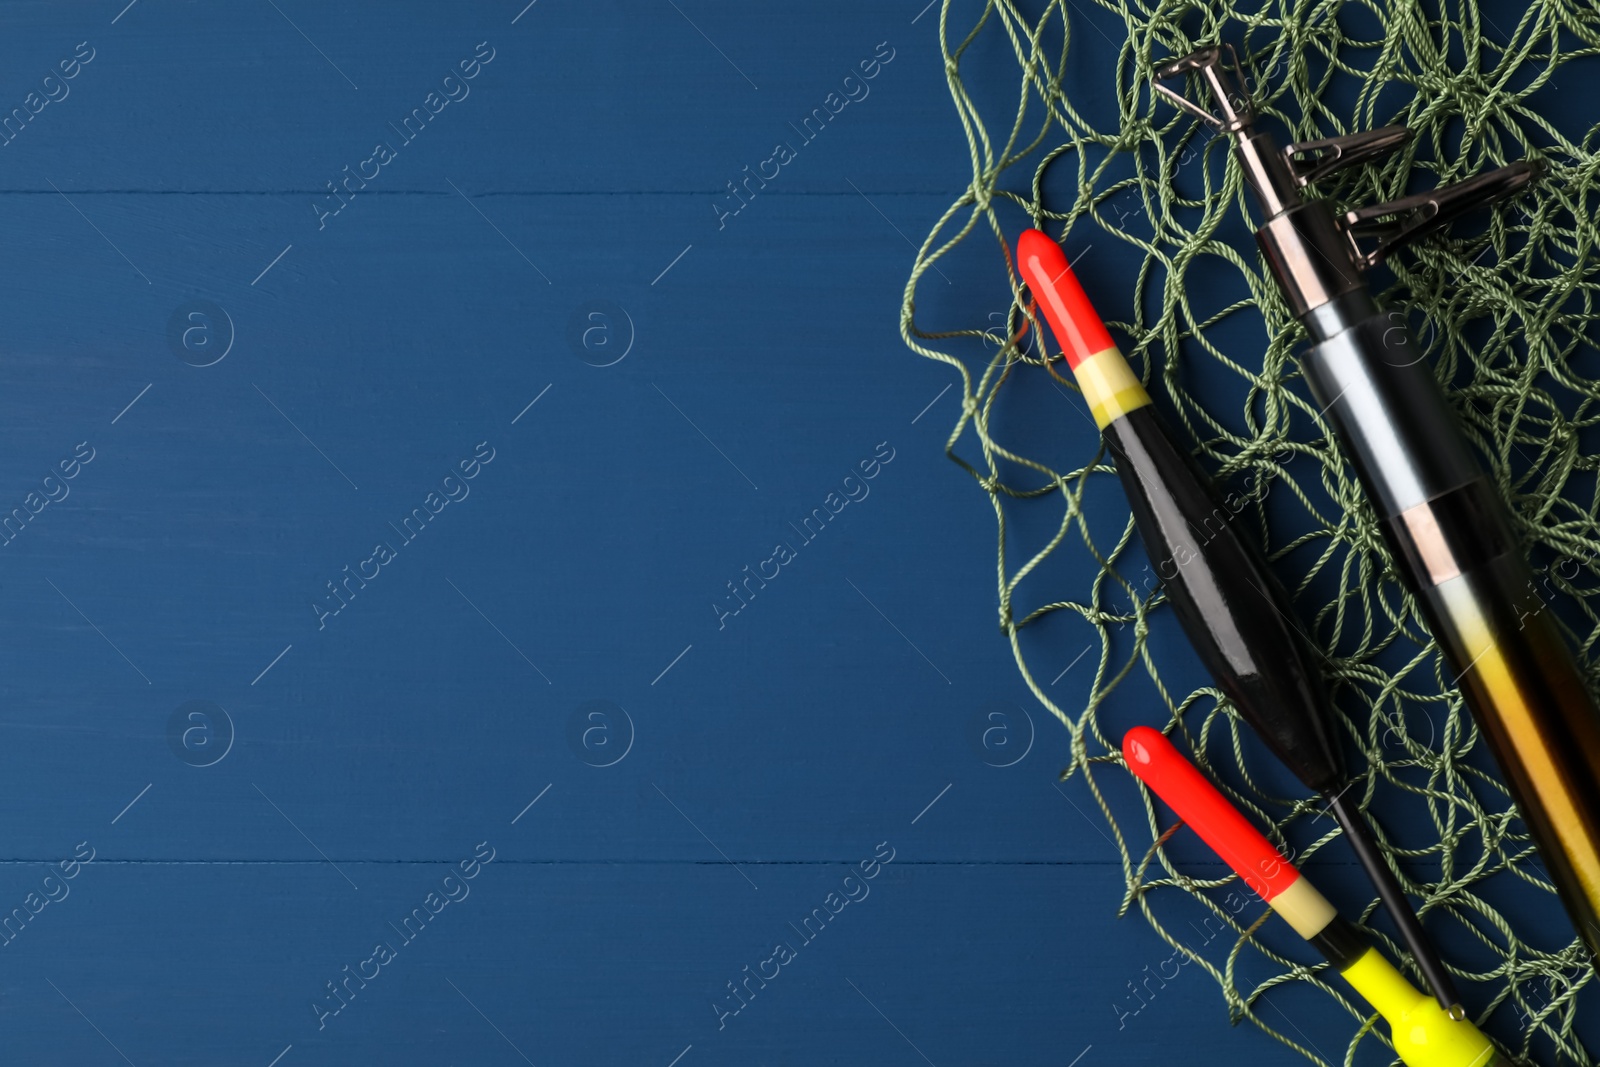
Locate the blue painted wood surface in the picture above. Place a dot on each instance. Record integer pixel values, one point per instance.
(267, 726)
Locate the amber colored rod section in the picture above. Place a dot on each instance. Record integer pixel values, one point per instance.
(1235, 613)
(1453, 542)
(1450, 533)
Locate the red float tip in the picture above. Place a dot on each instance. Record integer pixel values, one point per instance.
(1175, 780)
(1056, 291)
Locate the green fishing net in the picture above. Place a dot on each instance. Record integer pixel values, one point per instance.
(1506, 312)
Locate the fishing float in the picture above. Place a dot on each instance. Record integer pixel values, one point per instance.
(1422, 1033)
(1236, 614)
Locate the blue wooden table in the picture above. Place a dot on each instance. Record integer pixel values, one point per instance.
(481, 592)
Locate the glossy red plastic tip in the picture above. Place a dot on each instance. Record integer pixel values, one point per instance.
(1043, 265)
(1188, 792)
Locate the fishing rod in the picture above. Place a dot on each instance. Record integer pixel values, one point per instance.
(1236, 614)
(1450, 535)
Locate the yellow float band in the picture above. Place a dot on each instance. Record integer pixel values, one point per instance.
(1109, 385)
(1303, 907)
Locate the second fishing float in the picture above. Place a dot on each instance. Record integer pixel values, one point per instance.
(1421, 1033)
(1235, 613)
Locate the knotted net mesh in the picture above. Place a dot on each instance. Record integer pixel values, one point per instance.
(1505, 311)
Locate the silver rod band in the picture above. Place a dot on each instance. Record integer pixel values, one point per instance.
(1389, 413)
